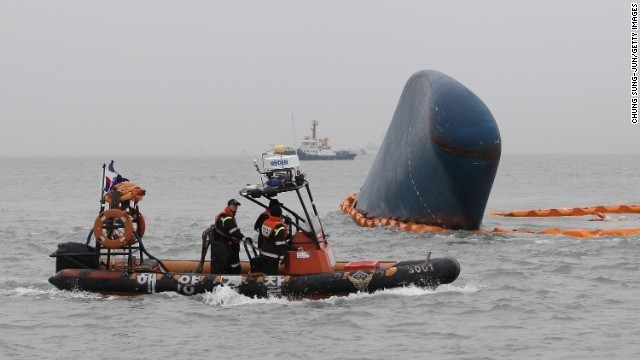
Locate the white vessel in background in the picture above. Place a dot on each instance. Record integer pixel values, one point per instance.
(313, 148)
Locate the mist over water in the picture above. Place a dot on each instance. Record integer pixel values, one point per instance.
(518, 295)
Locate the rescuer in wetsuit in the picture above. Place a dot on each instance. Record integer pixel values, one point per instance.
(274, 243)
(225, 246)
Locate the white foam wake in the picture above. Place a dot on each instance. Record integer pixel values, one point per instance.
(227, 297)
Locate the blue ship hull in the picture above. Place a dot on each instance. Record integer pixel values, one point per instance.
(438, 160)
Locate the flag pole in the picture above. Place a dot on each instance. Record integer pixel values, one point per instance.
(102, 188)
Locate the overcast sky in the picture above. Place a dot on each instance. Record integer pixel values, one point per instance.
(209, 77)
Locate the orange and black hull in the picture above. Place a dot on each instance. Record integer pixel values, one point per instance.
(421, 273)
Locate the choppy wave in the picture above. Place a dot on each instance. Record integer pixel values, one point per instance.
(514, 291)
(51, 293)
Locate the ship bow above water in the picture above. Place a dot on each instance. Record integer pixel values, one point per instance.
(438, 160)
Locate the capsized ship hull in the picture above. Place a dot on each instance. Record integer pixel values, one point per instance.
(438, 160)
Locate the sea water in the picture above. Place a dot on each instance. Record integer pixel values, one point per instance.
(518, 295)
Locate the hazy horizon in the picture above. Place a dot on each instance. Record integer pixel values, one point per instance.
(158, 78)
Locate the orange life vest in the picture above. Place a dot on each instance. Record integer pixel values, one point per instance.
(270, 227)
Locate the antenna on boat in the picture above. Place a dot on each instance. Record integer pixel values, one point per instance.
(293, 125)
(314, 124)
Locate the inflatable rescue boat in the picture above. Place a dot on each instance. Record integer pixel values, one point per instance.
(117, 263)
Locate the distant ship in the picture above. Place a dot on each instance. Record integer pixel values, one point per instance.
(312, 148)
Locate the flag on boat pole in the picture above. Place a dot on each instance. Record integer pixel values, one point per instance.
(111, 178)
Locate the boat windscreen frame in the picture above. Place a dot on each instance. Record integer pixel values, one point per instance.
(269, 193)
(315, 211)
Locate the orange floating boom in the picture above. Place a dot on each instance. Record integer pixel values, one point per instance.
(348, 208)
(615, 209)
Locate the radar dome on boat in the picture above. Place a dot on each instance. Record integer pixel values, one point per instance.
(278, 149)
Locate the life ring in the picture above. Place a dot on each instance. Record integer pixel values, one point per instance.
(138, 221)
(119, 229)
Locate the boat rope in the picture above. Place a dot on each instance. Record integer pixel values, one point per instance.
(206, 242)
(142, 248)
(89, 236)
